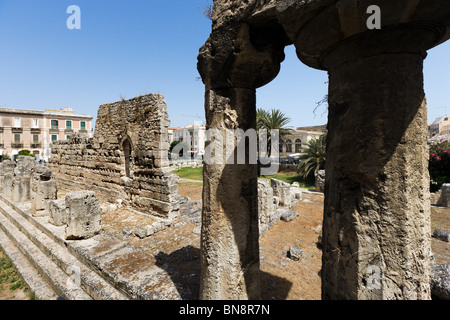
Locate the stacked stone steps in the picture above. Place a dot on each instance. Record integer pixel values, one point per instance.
(37, 284)
(51, 258)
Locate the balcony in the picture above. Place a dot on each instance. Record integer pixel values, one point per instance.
(16, 130)
(35, 131)
(68, 131)
(35, 144)
(17, 145)
(2, 145)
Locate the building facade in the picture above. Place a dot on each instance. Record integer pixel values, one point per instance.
(195, 136)
(36, 130)
(439, 127)
(298, 139)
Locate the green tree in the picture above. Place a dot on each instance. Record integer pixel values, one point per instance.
(26, 153)
(274, 119)
(313, 159)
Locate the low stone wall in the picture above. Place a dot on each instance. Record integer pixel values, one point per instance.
(275, 202)
(442, 197)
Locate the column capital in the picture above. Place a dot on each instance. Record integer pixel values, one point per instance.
(319, 27)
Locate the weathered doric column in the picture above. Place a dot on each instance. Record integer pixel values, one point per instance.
(229, 244)
(376, 232)
(237, 58)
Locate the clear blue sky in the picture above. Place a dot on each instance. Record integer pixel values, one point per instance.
(132, 47)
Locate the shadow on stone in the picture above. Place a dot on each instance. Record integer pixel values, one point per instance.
(274, 287)
(183, 267)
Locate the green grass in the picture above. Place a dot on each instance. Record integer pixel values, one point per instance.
(190, 173)
(289, 177)
(11, 277)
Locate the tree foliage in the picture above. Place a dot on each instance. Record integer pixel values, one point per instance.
(274, 119)
(26, 153)
(313, 158)
(439, 164)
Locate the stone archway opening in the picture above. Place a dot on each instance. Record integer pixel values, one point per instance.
(128, 158)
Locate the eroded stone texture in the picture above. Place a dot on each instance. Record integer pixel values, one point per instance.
(376, 234)
(84, 215)
(282, 190)
(7, 176)
(21, 183)
(239, 56)
(444, 198)
(265, 204)
(376, 220)
(126, 158)
(43, 190)
(58, 213)
(319, 182)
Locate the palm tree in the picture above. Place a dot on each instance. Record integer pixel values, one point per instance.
(274, 119)
(314, 157)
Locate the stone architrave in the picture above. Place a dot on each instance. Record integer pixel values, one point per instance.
(43, 190)
(84, 215)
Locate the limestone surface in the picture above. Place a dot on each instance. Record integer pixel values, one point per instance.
(83, 215)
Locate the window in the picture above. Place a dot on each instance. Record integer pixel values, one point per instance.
(35, 123)
(54, 137)
(68, 137)
(17, 138)
(83, 125)
(35, 138)
(69, 125)
(298, 145)
(54, 124)
(288, 146)
(17, 123)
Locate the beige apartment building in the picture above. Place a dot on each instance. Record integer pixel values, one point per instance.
(36, 130)
(298, 139)
(195, 136)
(439, 127)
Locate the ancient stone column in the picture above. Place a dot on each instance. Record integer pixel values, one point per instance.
(43, 190)
(376, 231)
(21, 186)
(8, 167)
(83, 215)
(237, 58)
(230, 250)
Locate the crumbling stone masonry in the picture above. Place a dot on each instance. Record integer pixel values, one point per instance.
(43, 190)
(126, 159)
(6, 177)
(83, 215)
(21, 183)
(376, 232)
